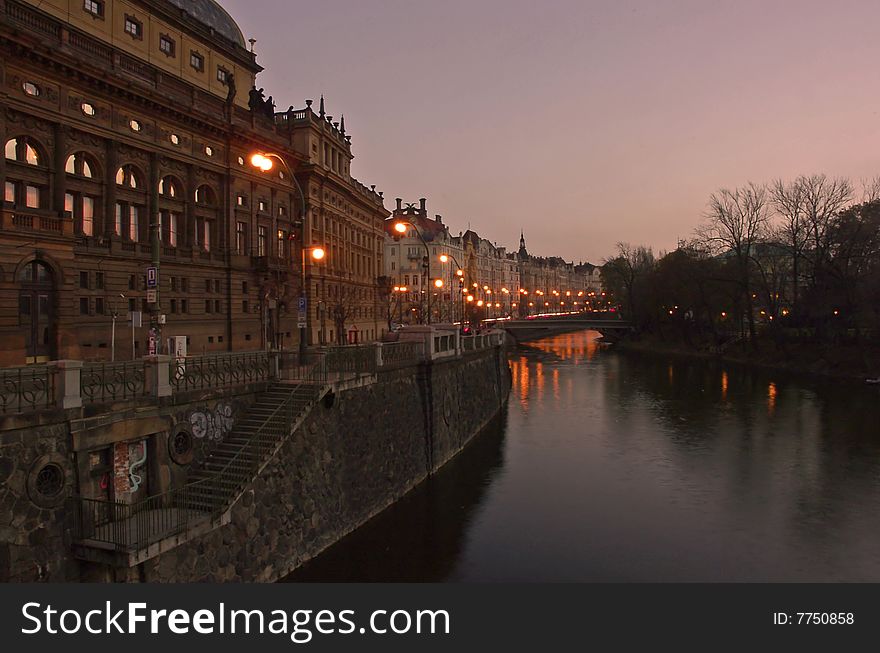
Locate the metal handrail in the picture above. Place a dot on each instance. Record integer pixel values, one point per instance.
(134, 526)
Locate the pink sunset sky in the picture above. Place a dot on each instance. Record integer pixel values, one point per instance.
(583, 123)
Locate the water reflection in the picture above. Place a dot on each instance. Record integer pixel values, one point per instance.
(421, 537)
(625, 467)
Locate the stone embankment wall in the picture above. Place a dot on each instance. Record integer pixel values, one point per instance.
(34, 515)
(359, 451)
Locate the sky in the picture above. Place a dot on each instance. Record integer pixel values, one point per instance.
(584, 123)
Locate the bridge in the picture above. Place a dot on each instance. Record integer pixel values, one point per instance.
(543, 326)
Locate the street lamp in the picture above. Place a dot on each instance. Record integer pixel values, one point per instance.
(264, 161)
(459, 272)
(401, 229)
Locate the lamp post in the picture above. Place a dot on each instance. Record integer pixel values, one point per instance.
(400, 228)
(263, 161)
(459, 272)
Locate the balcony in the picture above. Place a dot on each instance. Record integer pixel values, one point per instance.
(270, 264)
(32, 222)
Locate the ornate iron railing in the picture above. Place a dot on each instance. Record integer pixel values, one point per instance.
(133, 527)
(355, 360)
(105, 382)
(218, 371)
(402, 353)
(26, 389)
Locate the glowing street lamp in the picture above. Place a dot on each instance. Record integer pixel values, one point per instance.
(401, 227)
(264, 161)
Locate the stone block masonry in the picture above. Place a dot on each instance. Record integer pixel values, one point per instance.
(359, 451)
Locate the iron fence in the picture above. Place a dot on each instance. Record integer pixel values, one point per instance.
(132, 527)
(354, 360)
(26, 389)
(402, 353)
(218, 370)
(105, 382)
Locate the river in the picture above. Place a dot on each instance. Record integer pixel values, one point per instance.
(618, 467)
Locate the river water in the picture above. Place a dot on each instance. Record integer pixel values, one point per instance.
(611, 466)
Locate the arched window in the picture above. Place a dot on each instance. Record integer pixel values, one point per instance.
(128, 176)
(23, 150)
(206, 196)
(79, 164)
(130, 204)
(206, 218)
(36, 310)
(168, 187)
(25, 189)
(83, 191)
(170, 210)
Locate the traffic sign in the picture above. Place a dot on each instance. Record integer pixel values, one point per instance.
(151, 297)
(302, 317)
(152, 277)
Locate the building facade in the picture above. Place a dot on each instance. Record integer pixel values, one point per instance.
(131, 210)
(494, 283)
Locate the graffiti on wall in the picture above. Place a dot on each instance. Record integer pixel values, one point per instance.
(137, 458)
(216, 424)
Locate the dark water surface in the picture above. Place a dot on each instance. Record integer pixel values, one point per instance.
(626, 467)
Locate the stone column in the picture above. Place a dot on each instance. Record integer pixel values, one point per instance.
(67, 383)
(3, 138)
(157, 380)
(60, 159)
(111, 166)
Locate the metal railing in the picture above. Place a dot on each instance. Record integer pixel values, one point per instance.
(218, 370)
(402, 353)
(105, 382)
(26, 389)
(355, 360)
(133, 527)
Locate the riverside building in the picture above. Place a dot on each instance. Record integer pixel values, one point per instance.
(132, 212)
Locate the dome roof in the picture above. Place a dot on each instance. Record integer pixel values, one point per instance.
(212, 15)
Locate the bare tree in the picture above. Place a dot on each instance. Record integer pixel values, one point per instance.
(824, 199)
(790, 202)
(735, 221)
(344, 304)
(870, 190)
(624, 271)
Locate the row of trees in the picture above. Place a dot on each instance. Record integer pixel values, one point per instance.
(790, 257)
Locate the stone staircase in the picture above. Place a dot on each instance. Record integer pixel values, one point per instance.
(125, 535)
(217, 484)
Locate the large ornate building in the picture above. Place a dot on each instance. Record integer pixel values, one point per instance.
(499, 283)
(128, 128)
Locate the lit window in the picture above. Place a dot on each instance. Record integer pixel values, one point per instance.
(133, 223)
(241, 160)
(172, 229)
(175, 139)
(9, 195)
(209, 150)
(70, 168)
(30, 155)
(87, 109)
(135, 125)
(166, 45)
(94, 7)
(31, 89)
(33, 197)
(262, 206)
(88, 216)
(281, 174)
(134, 27)
(125, 177)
